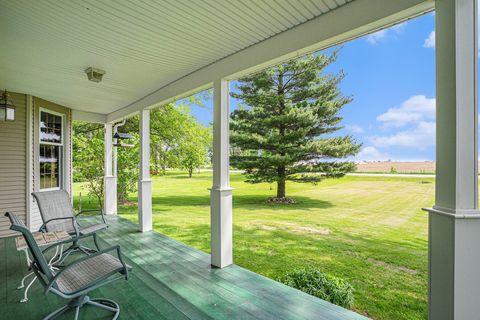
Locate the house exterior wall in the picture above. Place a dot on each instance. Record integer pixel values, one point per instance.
(19, 159)
(13, 164)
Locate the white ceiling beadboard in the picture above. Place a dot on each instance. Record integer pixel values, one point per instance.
(143, 44)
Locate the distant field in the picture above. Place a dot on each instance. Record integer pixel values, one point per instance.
(368, 230)
(399, 167)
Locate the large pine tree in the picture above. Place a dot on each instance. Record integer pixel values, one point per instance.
(285, 130)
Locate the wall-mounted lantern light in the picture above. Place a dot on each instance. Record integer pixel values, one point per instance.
(7, 109)
(118, 136)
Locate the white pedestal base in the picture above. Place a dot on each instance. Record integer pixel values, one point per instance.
(221, 227)
(110, 195)
(145, 205)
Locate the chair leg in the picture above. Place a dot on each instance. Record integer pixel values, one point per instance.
(95, 240)
(106, 304)
(22, 284)
(87, 250)
(57, 313)
(77, 312)
(81, 301)
(75, 247)
(25, 293)
(65, 256)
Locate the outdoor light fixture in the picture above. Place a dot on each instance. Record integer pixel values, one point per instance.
(122, 136)
(7, 109)
(94, 74)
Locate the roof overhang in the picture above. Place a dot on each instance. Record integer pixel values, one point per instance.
(323, 25)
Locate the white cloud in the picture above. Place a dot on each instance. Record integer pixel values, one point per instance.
(354, 128)
(430, 41)
(399, 28)
(371, 154)
(376, 37)
(420, 137)
(415, 109)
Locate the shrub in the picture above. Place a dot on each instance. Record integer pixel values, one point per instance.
(321, 285)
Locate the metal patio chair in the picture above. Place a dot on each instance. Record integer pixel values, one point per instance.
(57, 214)
(77, 279)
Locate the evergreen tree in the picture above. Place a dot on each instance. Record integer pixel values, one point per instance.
(286, 129)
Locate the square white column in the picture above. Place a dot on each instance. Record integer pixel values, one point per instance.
(144, 182)
(221, 193)
(110, 181)
(454, 221)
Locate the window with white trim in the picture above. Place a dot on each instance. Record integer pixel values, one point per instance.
(51, 149)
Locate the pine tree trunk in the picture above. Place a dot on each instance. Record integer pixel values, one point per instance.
(281, 182)
(281, 170)
(281, 188)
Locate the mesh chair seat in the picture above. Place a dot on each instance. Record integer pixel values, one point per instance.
(93, 228)
(86, 272)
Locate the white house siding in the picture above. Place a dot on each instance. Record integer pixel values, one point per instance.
(13, 164)
(19, 142)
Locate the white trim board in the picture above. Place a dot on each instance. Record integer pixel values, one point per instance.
(78, 115)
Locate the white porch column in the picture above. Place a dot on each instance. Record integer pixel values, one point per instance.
(454, 224)
(110, 181)
(221, 193)
(144, 182)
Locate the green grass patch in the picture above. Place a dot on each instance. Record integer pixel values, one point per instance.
(369, 231)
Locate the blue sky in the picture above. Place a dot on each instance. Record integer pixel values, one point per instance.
(391, 78)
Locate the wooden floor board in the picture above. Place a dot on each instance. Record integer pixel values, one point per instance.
(169, 280)
(256, 294)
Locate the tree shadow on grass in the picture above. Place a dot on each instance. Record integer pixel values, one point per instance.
(184, 176)
(259, 201)
(241, 201)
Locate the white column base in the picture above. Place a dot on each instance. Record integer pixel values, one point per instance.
(454, 264)
(145, 205)
(110, 195)
(221, 226)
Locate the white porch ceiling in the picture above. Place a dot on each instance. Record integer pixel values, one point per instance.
(143, 45)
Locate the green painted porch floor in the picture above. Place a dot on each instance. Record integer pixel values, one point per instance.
(169, 281)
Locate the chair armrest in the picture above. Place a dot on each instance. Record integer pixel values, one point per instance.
(114, 248)
(43, 227)
(93, 210)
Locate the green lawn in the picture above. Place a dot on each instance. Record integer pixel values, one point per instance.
(367, 230)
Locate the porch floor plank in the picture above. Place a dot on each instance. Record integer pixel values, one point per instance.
(169, 281)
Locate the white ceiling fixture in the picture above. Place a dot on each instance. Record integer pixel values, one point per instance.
(94, 74)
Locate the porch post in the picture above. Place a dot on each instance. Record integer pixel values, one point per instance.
(144, 182)
(221, 193)
(110, 181)
(454, 221)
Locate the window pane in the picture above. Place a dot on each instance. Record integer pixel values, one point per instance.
(50, 128)
(49, 166)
